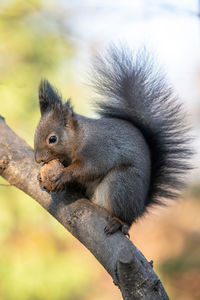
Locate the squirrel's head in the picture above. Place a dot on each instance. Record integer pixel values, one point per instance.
(55, 133)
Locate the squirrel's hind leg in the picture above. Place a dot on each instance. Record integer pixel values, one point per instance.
(101, 197)
(122, 193)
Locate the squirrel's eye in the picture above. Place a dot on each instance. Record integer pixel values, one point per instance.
(52, 139)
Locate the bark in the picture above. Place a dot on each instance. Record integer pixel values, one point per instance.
(128, 267)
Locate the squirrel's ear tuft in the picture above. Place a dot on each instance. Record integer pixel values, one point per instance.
(49, 98)
(68, 106)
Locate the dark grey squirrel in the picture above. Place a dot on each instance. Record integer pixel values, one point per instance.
(135, 154)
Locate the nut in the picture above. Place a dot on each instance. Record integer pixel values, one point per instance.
(48, 173)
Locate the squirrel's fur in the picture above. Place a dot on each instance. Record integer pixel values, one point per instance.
(135, 154)
(134, 90)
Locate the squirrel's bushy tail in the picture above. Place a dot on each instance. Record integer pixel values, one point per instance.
(135, 91)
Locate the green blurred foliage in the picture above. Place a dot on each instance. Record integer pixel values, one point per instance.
(34, 44)
(182, 272)
(36, 260)
(189, 259)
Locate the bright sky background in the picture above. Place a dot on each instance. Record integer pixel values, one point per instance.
(170, 28)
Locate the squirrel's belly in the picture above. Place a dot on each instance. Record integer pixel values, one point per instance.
(91, 187)
(98, 192)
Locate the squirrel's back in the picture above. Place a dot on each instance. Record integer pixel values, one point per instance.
(135, 91)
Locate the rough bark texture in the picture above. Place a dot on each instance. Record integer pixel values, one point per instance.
(122, 260)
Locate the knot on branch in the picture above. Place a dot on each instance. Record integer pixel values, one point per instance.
(2, 118)
(151, 263)
(3, 163)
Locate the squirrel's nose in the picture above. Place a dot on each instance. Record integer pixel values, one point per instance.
(38, 158)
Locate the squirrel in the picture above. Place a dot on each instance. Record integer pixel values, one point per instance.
(131, 157)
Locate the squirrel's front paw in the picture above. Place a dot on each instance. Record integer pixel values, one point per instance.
(59, 183)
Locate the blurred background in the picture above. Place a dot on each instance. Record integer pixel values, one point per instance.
(56, 39)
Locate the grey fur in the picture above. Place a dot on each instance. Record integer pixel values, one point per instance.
(132, 156)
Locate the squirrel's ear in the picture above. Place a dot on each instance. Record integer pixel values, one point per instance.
(48, 97)
(68, 113)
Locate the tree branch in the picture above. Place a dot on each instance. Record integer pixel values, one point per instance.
(122, 260)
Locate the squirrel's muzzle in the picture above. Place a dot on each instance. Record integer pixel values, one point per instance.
(43, 156)
(38, 157)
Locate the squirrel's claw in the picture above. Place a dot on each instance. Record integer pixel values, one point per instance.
(124, 229)
(112, 226)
